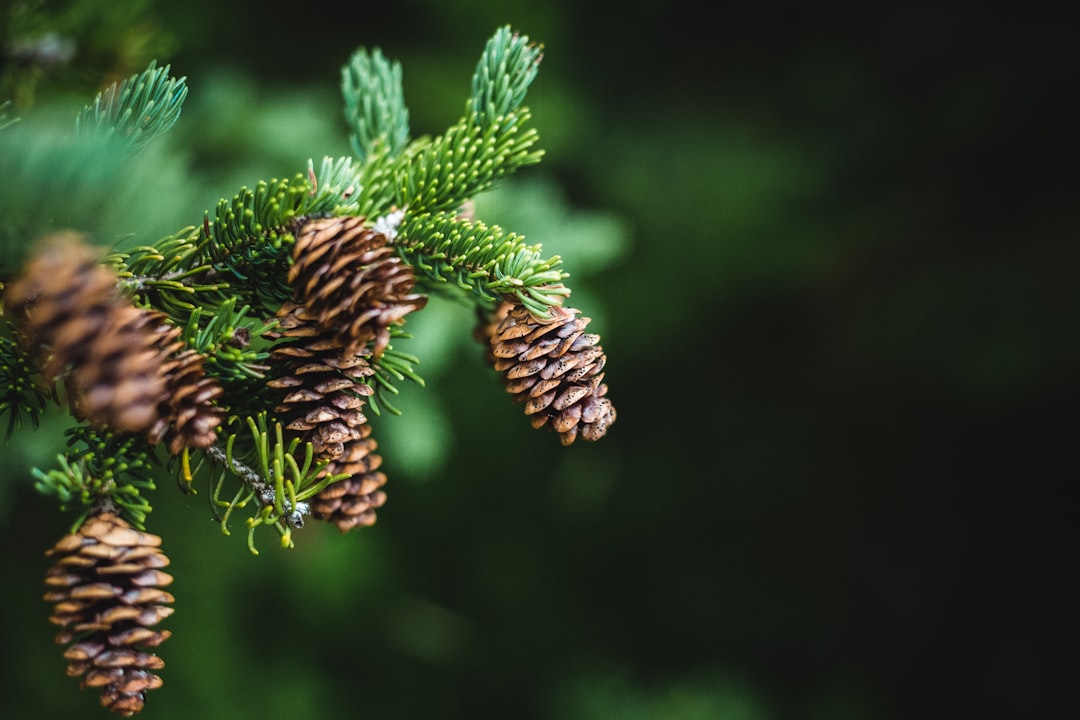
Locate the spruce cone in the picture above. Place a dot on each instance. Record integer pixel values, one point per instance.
(67, 302)
(106, 586)
(325, 389)
(352, 281)
(127, 368)
(555, 368)
(325, 393)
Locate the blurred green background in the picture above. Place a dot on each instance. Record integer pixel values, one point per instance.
(834, 265)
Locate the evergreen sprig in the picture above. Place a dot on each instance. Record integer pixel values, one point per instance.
(485, 260)
(491, 141)
(250, 240)
(374, 102)
(170, 276)
(468, 159)
(22, 396)
(506, 69)
(135, 110)
(277, 475)
(101, 467)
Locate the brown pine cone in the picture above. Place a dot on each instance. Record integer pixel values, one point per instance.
(324, 390)
(555, 368)
(65, 294)
(67, 303)
(106, 585)
(352, 281)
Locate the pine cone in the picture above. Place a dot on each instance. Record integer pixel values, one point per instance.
(115, 355)
(106, 586)
(555, 368)
(352, 281)
(63, 282)
(325, 394)
(67, 303)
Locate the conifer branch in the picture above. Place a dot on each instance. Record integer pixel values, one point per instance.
(249, 238)
(276, 473)
(468, 159)
(249, 345)
(102, 466)
(506, 69)
(491, 141)
(170, 276)
(22, 396)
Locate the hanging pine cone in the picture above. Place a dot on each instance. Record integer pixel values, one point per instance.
(106, 585)
(324, 393)
(63, 292)
(352, 281)
(67, 303)
(555, 368)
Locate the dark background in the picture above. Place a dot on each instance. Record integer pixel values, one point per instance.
(839, 304)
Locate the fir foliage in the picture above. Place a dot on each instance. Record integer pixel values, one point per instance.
(485, 261)
(375, 107)
(136, 110)
(220, 282)
(23, 398)
(101, 468)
